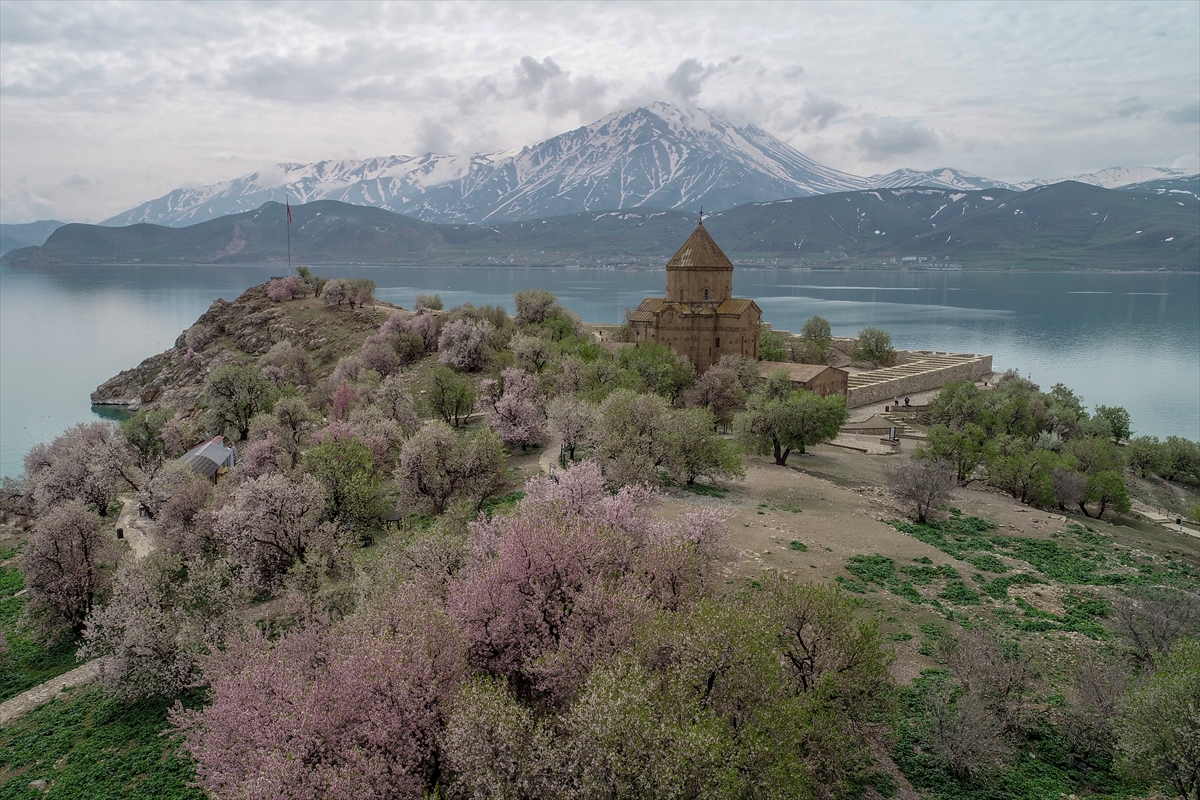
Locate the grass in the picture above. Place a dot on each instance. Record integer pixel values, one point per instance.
(1081, 614)
(28, 662)
(964, 538)
(703, 490)
(880, 570)
(501, 505)
(89, 747)
(1039, 766)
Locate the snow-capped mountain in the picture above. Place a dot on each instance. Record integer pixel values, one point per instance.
(1112, 177)
(658, 155)
(943, 178)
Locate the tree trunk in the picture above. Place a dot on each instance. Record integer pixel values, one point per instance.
(1083, 508)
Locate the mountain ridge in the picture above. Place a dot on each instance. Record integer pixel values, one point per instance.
(1067, 226)
(657, 155)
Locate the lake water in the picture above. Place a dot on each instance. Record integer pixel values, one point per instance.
(1130, 340)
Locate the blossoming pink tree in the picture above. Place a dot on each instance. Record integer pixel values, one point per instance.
(336, 710)
(273, 522)
(463, 344)
(66, 565)
(516, 416)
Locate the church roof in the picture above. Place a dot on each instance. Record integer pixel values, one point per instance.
(799, 373)
(699, 251)
(649, 308)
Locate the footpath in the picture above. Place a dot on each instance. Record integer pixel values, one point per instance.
(15, 707)
(141, 543)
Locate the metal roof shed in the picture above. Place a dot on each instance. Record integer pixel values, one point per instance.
(209, 458)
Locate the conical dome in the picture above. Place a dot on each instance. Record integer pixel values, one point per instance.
(700, 251)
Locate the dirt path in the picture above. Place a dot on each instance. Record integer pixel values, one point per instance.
(30, 699)
(548, 460)
(142, 542)
(136, 532)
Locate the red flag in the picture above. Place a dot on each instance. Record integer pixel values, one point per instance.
(289, 210)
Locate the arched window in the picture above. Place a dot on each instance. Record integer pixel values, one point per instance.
(706, 294)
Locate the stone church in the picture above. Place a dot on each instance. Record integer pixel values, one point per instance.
(699, 318)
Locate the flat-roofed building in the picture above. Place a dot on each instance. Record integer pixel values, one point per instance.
(816, 378)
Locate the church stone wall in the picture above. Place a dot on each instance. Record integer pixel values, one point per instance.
(688, 285)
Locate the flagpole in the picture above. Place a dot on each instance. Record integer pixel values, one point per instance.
(288, 206)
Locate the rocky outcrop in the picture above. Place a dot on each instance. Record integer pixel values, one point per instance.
(237, 331)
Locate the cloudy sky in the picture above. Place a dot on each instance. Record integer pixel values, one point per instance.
(105, 105)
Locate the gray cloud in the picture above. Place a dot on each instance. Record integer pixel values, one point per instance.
(75, 182)
(894, 138)
(143, 97)
(817, 112)
(1184, 115)
(687, 80)
(1132, 107)
(532, 77)
(356, 69)
(435, 137)
(547, 86)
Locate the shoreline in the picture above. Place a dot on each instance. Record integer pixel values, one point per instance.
(613, 268)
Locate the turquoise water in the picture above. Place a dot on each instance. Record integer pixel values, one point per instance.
(1117, 339)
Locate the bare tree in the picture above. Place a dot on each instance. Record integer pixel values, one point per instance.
(1098, 683)
(994, 671)
(571, 418)
(958, 731)
(921, 485)
(1152, 620)
(1070, 487)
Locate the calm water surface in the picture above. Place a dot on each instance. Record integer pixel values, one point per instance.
(1129, 340)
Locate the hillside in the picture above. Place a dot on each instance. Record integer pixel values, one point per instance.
(1063, 226)
(1071, 223)
(30, 234)
(239, 331)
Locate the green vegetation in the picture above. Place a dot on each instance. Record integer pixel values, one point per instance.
(566, 626)
(29, 660)
(874, 346)
(89, 747)
(1041, 765)
(772, 345)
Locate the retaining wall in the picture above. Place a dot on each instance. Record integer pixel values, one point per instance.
(925, 372)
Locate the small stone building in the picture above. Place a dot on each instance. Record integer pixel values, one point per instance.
(816, 378)
(699, 318)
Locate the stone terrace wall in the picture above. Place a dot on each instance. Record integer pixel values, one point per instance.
(924, 372)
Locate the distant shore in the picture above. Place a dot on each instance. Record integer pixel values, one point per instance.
(656, 267)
